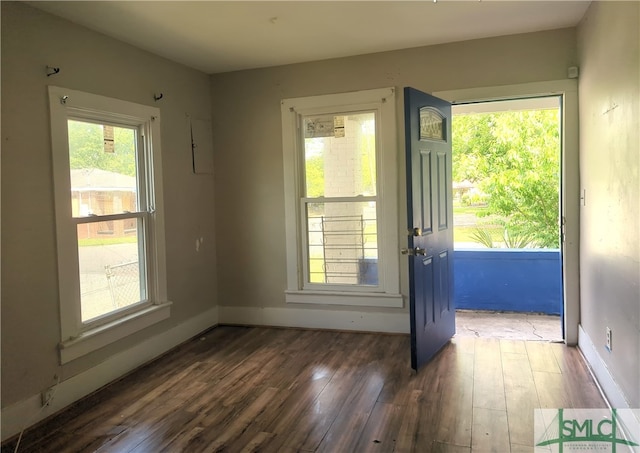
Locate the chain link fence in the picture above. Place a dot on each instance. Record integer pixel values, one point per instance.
(124, 283)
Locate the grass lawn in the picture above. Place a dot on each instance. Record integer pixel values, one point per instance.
(465, 233)
(458, 209)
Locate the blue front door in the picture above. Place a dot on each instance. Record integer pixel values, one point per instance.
(430, 223)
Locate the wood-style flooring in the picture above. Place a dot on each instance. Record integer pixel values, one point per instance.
(241, 389)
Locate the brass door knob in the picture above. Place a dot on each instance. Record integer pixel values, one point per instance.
(417, 251)
(415, 231)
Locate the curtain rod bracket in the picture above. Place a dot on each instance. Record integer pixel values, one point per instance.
(52, 70)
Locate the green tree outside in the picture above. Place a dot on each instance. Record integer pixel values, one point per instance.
(514, 158)
(86, 145)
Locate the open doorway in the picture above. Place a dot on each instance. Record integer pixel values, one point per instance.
(506, 183)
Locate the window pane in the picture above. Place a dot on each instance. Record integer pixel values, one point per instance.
(343, 243)
(103, 169)
(340, 155)
(110, 274)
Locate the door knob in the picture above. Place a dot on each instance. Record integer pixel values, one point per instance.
(414, 251)
(415, 231)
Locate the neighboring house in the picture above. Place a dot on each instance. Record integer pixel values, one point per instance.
(225, 234)
(99, 192)
(462, 188)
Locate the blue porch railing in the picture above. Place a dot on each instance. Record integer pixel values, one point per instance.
(517, 280)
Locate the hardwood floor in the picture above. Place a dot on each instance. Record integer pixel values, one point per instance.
(280, 390)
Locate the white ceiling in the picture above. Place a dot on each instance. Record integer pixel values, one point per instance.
(221, 36)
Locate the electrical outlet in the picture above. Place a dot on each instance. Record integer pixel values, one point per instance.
(46, 397)
(608, 345)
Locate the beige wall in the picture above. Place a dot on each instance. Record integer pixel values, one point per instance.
(609, 155)
(248, 192)
(94, 63)
(247, 137)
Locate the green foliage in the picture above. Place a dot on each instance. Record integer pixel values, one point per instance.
(482, 236)
(518, 239)
(367, 148)
(86, 148)
(473, 199)
(511, 240)
(314, 175)
(513, 157)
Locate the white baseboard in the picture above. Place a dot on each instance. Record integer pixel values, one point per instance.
(28, 412)
(607, 383)
(363, 321)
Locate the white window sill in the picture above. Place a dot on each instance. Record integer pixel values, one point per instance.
(103, 335)
(344, 298)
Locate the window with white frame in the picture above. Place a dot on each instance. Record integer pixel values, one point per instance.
(109, 218)
(340, 194)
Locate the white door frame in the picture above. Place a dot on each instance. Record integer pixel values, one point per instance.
(570, 180)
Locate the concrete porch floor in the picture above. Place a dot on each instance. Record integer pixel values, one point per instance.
(513, 326)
